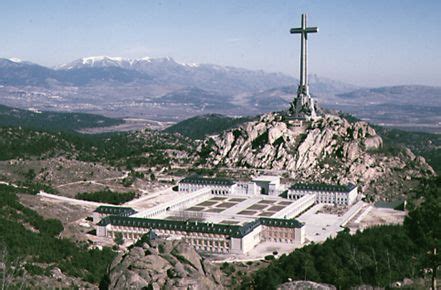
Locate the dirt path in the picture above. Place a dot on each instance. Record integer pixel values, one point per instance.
(10, 184)
(97, 182)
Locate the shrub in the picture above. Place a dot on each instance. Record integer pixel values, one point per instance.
(260, 141)
(269, 257)
(107, 196)
(119, 240)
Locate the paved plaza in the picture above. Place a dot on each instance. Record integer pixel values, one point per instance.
(232, 209)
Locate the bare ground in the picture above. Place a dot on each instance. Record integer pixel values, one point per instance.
(376, 216)
(72, 216)
(57, 171)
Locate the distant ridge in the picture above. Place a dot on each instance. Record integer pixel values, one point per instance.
(404, 94)
(52, 121)
(201, 126)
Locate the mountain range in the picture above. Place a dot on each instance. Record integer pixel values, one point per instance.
(165, 90)
(165, 71)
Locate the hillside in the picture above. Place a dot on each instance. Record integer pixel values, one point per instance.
(201, 126)
(35, 256)
(424, 144)
(146, 148)
(54, 121)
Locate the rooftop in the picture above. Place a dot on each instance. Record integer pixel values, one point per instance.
(268, 178)
(235, 231)
(284, 223)
(115, 210)
(195, 179)
(322, 187)
(187, 226)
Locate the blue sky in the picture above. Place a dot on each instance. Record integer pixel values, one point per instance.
(370, 43)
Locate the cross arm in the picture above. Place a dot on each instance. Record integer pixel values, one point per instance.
(311, 29)
(296, 30)
(304, 30)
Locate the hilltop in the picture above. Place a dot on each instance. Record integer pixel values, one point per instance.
(328, 149)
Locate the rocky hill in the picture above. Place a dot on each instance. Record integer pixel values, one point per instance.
(327, 149)
(163, 265)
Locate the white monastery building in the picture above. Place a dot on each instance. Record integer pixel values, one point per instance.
(223, 216)
(217, 185)
(264, 184)
(325, 193)
(207, 237)
(104, 210)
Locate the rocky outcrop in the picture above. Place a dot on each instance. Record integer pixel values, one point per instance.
(163, 265)
(325, 149)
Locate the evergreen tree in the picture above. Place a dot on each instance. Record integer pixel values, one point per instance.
(119, 240)
(424, 227)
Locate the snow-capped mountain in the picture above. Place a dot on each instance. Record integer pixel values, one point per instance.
(115, 61)
(167, 71)
(17, 72)
(13, 61)
(16, 60)
(95, 61)
(164, 73)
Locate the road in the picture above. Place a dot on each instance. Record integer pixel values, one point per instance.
(71, 200)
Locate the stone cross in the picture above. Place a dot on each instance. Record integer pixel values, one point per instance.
(303, 31)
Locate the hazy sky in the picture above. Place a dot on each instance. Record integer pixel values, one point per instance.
(375, 42)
